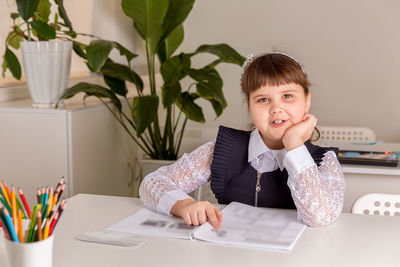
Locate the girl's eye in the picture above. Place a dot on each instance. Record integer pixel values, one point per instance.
(263, 100)
(287, 96)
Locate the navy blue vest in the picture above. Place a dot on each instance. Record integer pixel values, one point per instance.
(234, 179)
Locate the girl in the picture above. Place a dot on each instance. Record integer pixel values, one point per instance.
(274, 165)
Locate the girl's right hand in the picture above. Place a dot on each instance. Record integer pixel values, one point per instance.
(196, 213)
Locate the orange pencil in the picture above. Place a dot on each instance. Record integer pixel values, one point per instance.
(14, 207)
(20, 227)
(46, 229)
(7, 190)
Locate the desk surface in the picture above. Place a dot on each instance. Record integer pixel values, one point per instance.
(353, 240)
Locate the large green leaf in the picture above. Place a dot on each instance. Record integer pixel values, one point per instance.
(92, 90)
(175, 68)
(44, 10)
(144, 111)
(170, 92)
(122, 72)
(223, 51)
(218, 108)
(43, 30)
(97, 53)
(79, 49)
(189, 108)
(209, 84)
(116, 85)
(14, 40)
(178, 10)
(148, 17)
(173, 40)
(12, 63)
(123, 51)
(63, 13)
(26, 8)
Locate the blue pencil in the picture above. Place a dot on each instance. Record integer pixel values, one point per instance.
(10, 225)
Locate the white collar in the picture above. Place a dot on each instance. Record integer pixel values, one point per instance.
(257, 150)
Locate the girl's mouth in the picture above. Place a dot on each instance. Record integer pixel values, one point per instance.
(278, 123)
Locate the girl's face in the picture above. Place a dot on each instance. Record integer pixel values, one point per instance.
(276, 108)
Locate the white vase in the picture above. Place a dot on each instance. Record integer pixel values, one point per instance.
(47, 65)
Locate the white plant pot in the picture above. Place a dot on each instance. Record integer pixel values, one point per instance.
(47, 65)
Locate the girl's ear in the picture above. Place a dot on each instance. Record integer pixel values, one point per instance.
(308, 102)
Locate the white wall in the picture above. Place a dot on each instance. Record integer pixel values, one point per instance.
(348, 48)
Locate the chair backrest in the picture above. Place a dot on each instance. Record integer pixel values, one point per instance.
(377, 204)
(346, 134)
(204, 193)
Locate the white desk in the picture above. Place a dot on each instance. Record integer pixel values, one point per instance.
(353, 240)
(364, 179)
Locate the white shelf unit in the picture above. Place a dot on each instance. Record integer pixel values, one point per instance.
(84, 144)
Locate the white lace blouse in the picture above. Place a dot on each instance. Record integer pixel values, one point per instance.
(318, 192)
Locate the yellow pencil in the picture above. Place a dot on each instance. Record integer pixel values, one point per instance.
(20, 227)
(51, 201)
(46, 229)
(14, 207)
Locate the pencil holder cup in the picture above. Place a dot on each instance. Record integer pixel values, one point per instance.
(35, 254)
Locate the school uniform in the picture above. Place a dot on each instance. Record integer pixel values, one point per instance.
(241, 168)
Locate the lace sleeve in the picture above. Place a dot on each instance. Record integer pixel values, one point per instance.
(318, 192)
(187, 174)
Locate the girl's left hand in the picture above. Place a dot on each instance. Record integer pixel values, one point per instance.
(299, 133)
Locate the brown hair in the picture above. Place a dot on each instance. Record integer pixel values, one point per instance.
(274, 69)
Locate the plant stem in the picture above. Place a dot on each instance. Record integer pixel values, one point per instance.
(180, 137)
(29, 31)
(126, 128)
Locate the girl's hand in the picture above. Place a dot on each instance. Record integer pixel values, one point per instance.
(299, 133)
(196, 213)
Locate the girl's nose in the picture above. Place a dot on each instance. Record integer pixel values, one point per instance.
(276, 108)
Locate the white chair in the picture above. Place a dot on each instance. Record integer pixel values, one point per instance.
(377, 204)
(204, 193)
(346, 134)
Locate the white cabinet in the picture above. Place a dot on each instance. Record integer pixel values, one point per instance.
(84, 144)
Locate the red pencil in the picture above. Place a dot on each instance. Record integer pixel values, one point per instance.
(22, 196)
(53, 223)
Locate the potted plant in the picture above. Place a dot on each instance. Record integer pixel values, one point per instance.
(46, 49)
(159, 24)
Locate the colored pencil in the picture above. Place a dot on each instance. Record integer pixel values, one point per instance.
(39, 196)
(46, 207)
(20, 227)
(43, 194)
(39, 225)
(14, 208)
(9, 223)
(3, 225)
(53, 210)
(51, 201)
(63, 204)
(7, 190)
(3, 190)
(61, 191)
(32, 224)
(22, 196)
(5, 203)
(53, 223)
(46, 229)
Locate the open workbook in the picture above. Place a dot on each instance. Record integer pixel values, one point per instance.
(242, 225)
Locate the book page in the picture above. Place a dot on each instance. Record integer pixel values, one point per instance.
(246, 225)
(151, 223)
